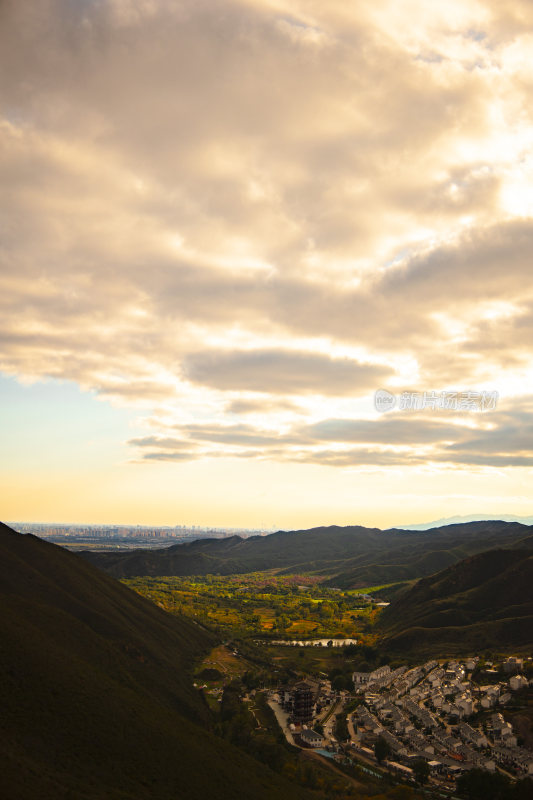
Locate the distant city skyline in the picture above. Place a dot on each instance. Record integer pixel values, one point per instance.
(266, 262)
(25, 526)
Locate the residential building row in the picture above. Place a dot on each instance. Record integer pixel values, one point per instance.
(422, 712)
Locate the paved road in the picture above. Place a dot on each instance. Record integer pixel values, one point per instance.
(351, 729)
(283, 721)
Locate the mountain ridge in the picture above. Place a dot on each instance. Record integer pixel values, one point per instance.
(352, 556)
(460, 519)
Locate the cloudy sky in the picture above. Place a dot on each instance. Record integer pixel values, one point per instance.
(225, 224)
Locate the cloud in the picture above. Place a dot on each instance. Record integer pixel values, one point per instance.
(283, 372)
(358, 457)
(169, 456)
(163, 443)
(468, 270)
(205, 202)
(239, 435)
(399, 429)
(496, 439)
(260, 406)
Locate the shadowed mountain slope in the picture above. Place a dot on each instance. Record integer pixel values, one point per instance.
(353, 556)
(96, 691)
(485, 601)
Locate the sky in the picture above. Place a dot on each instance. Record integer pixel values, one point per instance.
(226, 224)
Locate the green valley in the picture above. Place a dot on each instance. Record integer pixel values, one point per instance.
(265, 604)
(203, 667)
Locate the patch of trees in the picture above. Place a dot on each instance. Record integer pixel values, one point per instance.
(381, 749)
(478, 784)
(210, 674)
(341, 727)
(421, 771)
(341, 679)
(237, 725)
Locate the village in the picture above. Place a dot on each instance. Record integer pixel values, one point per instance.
(431, 714)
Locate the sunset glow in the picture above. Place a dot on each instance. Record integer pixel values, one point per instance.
(225, 224)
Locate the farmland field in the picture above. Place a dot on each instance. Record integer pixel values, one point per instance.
(263, 604)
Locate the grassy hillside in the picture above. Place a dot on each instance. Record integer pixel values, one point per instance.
(352, 556)
(96, 691)
(485, 601)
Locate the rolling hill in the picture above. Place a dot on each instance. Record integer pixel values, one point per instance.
(96, 691)
(483, 602)
(351, 556)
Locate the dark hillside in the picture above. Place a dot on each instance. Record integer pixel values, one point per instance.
(485, 601)
(353, 556)
(411, 555)
(96, 694)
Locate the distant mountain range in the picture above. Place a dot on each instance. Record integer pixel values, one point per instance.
(96, 691)
(438, 523)
(348, 557)
(483, 602)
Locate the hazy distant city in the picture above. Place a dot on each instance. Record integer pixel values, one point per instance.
(127, 536)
